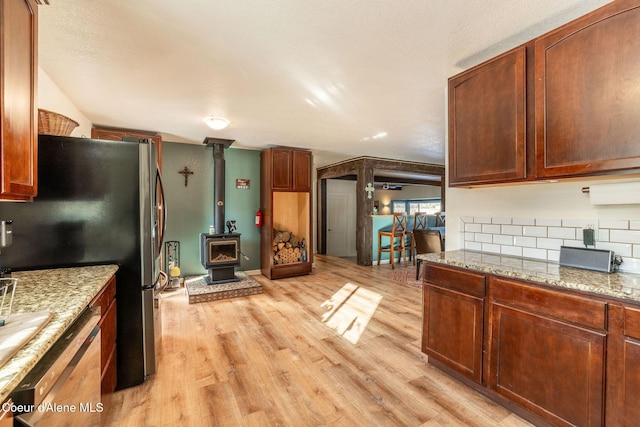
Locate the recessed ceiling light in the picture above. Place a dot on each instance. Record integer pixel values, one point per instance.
(216, 123)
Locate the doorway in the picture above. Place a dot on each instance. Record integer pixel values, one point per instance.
(341, 218)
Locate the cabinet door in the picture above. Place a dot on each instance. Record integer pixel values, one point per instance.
(487, 121)
(18, 96)
(302, 170)
(282, 170)
(586, 94)
(452, 330)
(550, 367)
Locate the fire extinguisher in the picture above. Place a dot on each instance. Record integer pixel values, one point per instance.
(258, 218)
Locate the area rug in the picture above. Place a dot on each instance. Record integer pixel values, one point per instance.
(408, 277)
(199, 291)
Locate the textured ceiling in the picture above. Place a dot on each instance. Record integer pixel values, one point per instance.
(345, 78)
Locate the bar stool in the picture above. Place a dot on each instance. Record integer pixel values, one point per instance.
(396, 238)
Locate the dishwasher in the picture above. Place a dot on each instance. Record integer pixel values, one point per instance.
(63, 388)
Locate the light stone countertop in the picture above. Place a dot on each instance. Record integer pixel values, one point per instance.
(65, 292)
(624, 286)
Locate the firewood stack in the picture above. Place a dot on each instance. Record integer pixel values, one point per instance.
(286, 248)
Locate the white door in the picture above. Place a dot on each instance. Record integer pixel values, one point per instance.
(341, 218)
(336, 225)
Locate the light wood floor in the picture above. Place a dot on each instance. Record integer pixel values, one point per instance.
(339, 347)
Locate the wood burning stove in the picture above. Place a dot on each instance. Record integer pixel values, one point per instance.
(220, 254)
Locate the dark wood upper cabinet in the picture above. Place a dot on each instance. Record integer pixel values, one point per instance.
(487, 116)
(18, 100)
(301, 170)
(291, 169)
(282, 169)
(563, 105)
(587, 104)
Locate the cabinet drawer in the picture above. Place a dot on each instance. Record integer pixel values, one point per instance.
(458, 280)
(570, 308)
(632, 322)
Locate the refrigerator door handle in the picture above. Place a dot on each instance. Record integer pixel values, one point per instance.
(161, 205)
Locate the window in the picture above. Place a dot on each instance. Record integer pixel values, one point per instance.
(429, 206)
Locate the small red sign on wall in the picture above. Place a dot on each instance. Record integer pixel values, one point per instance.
(243, 184)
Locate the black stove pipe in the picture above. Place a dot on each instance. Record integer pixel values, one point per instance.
(218, 180)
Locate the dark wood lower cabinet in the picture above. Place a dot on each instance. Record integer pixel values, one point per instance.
(453, 310)
(550, 367)
(553, 356)
(106, 300)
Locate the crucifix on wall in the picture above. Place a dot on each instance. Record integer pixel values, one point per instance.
(186, 172)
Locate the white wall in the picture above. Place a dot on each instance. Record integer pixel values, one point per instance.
(51, 98)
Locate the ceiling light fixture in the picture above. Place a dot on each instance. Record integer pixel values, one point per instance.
(216, 123)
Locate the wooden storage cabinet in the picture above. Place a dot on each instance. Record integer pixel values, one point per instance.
(487, 116)
(291, 169)
(18, 100)
(116, 134)
(106, 300)
(547, 352)
(285, 198)
(563, 105)
(452, 332)
(586, 94)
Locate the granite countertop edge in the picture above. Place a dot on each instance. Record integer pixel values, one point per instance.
(65, 292)
(625, 286)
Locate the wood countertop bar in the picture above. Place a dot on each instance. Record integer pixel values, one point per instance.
(65, 292)
(624, 286)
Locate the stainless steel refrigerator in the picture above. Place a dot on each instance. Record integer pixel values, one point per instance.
(99, 202)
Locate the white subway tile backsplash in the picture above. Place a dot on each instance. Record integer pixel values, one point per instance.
(602, 235)
(534, 253)
(484, 238)
(577, 223)
(514, 230)
(553, 255)
(523, 221)
(527, 242)
(491, 228)
(545, 243)
(511, 250)
(541, 239)
(534, 231)
(491, 248)
(549, 222)
(562, 233)
(501, 221)
(607, 223)
(573, 243)
(624, 236)
(622, 249)
(473, 228)
(503, 240)
(473, 246)
(482, 220)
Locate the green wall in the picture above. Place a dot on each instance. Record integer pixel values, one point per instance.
(190, 208)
